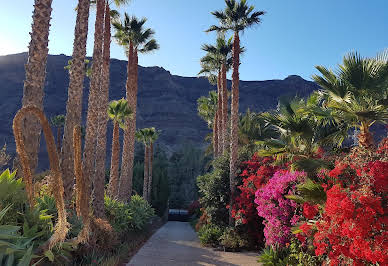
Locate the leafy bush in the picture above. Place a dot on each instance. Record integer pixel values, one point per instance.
(274, 256)
(141, 212)
(232, 240)
(209, 234)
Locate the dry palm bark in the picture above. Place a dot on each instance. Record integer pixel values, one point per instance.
(151, 158)
(33, 89)
(224, 108)
(89, 155)
(146, 168)
(219, 115)
(114, 164)
(75, 91)
(99, 176)
(125, 188)
(215, 134)
(234, 121)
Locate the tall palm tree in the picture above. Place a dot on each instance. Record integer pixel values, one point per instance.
(89, 154)
(58, 121)
(218, 60)
(236, 17)
(143, 135)
(355, 93)
(207, 109)
(99, 176)
(153, 136)
(131, 34)
(77, 72)
(35, 76)
(118, 112)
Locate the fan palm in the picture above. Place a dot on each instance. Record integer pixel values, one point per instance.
(236, 17)
(58, 122)
(118, 112)
(355, 93)
(35, 76)
(143, 135)
(131, 34)
(77, 72)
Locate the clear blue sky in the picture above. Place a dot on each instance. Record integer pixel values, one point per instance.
(295, 35)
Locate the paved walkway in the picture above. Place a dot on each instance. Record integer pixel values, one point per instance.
(177, 244)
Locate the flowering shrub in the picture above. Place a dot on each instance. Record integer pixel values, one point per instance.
(280, 213)
(256, 172)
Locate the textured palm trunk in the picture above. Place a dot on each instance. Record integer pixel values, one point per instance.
(35, 76)
(89, 155)
(125, 190)
(146, 168)
(219, 115)
(215, 135)
(114, 164)
(224, 112)
(234, 122)
(58, 139)
(75, 91)
(151, 158)
(99, 176)
(365, 138)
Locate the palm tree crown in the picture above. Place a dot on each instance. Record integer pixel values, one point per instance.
(118, 111)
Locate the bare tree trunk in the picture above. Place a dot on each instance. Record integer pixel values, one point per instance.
(219, 115)
(151, 158)
(114, 164)
(99, 177)
(365, 138)
(58, 139)
(234, 122)
(146, 176)
(33, 89)
(75, 91)
(125, 190)
(224, 109)
(89, 155)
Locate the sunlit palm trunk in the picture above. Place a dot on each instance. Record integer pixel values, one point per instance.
(89, 155)
(151, 158)
(146, 175)
(75, 91)
(114, 163)
(219, 115)
(99, 177)
(35, 76)
(234, 121)
(365, 138)
(224, 109)
(125, 188)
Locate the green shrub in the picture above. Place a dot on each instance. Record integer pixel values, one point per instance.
(232, 240)
(302, 256)
(141, 212)
(274, 257)
(209, 234)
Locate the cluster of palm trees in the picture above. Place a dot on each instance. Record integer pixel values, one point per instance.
(131, 34)
(225, 55)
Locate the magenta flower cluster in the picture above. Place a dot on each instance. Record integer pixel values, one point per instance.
(279, 213)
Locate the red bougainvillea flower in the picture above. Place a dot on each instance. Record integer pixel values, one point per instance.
(309, 211)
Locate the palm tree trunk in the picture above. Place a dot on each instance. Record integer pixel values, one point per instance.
(224, 109)
(99, 176)
(75, 91)
(89, 155)
(114, 164)
(35, 76)
(219, 115)
(58, 139)
(365, 138)
(146, 176)
(125, 190)
(234, 122)
(151, 158)
(215, 135)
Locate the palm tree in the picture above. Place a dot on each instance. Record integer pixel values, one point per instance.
(99, 176)
(130, 34)
(143, 135)
(35, 77)
(218, 61)
(58, 122)
(89, 154)
(237, 17)
(207, 107)
(153, 136)
(355, 93)
(77, 70)
(118, 112)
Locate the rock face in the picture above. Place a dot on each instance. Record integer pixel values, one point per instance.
(165, 101)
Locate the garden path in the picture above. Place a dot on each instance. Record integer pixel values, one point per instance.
(177, 244)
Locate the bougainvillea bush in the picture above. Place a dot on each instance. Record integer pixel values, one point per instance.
(280, 213)
(256, 172)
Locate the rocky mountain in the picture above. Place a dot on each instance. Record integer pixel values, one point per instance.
(165, 101)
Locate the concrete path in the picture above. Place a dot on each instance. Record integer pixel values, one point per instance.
(177, 244)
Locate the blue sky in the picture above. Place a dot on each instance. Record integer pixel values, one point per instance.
(295, 35)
